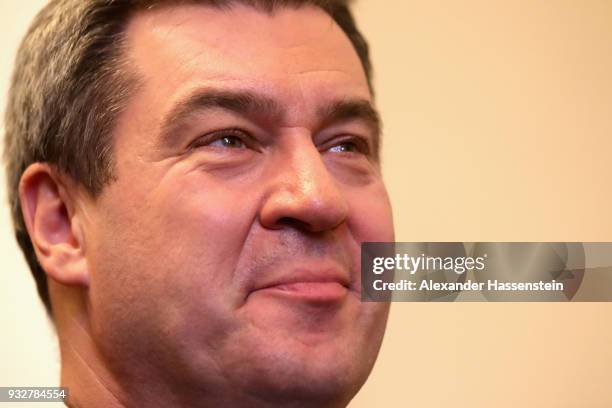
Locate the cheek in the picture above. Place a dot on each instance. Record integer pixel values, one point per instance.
(370, 216)
(200, 230)
(205, 229)
(370, 219)
(176, 247)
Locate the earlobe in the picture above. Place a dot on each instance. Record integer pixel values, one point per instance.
(53, 226)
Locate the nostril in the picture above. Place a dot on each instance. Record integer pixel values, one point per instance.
(293, 223)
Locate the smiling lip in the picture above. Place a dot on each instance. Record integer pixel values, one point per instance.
(326, 288)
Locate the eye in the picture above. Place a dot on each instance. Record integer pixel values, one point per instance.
(354, 145)
(345, 147)
(228, 141)
(223, 139)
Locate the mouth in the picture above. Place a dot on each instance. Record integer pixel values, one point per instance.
(310, 287)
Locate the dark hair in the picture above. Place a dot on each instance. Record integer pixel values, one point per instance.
(70, 83)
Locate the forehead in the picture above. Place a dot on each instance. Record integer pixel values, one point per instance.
(295, 54)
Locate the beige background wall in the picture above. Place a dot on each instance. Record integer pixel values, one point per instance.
(498, 126)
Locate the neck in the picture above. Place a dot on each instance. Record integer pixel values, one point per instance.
(89, 382)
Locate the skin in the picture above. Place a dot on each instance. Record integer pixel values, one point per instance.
(221, 268)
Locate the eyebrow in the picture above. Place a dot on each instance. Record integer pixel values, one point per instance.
(241, 102)
(250, 104)
(357, 109)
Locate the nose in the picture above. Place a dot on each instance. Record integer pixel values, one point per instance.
(303, 193)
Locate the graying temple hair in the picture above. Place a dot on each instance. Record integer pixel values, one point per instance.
(71, 82)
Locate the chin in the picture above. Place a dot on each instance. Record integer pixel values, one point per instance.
(290, 371)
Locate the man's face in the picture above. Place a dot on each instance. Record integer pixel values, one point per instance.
(227, 251)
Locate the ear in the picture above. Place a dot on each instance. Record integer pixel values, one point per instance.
(53, 225)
